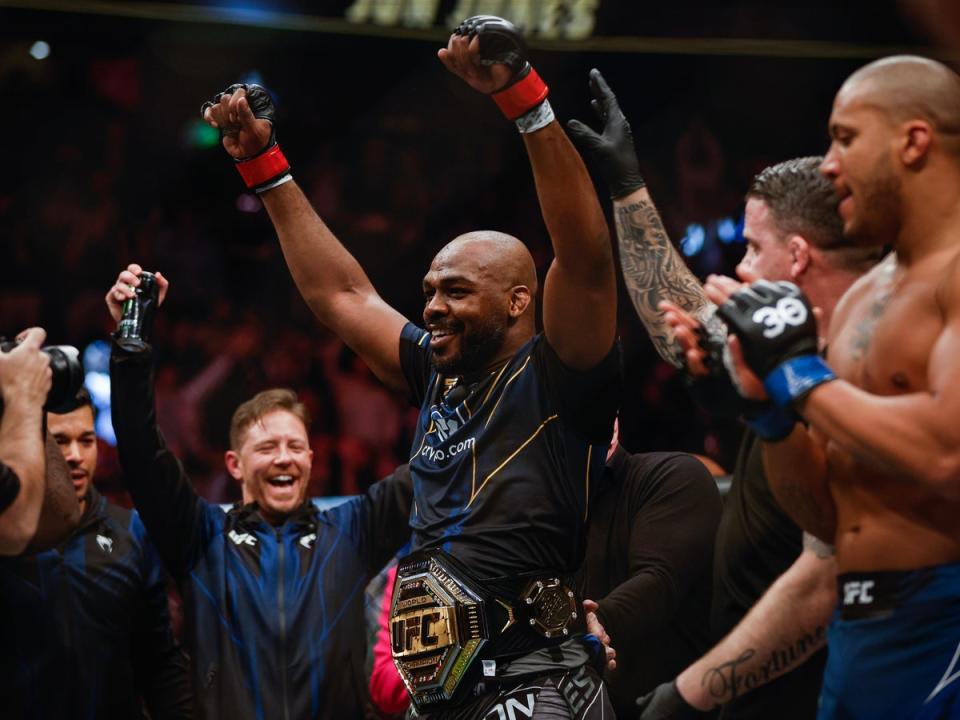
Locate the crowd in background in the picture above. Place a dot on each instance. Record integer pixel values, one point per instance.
(418, 168)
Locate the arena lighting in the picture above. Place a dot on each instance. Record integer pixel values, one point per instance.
(693, 239)
(40, 50)
(727, 230)
(199, 134)
(96, 363)
(247, 12)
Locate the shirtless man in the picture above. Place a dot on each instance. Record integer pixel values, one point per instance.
(878, 472)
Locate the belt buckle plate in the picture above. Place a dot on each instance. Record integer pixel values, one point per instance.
(437, 628)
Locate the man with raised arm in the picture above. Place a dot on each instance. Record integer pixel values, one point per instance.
(513, 425)
(792, 233)
(273, 587)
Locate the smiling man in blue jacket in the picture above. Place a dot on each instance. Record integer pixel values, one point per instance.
(273, 588)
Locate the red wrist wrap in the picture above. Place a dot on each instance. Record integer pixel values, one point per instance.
(264, 167)
(522, 96)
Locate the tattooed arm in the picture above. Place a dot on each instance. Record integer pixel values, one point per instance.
(653, 271)
(786, 626)
(652, 268)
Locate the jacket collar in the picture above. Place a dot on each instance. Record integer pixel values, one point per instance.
(94, 511)
(248, 516)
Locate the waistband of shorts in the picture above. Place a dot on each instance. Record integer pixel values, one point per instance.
(879, 592)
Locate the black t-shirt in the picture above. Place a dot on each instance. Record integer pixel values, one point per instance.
(649, 551)
(9, 486)
(756, 543)
(502, 478)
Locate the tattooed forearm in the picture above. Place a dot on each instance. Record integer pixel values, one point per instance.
(653, 271)
(731, 679)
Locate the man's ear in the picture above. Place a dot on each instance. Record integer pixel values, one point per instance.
(519, 300)
(799, 249)
(915, 144)
(232, 461)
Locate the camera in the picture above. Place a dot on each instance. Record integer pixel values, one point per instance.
(67, 375)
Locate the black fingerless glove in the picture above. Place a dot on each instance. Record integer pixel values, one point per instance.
(778, 333)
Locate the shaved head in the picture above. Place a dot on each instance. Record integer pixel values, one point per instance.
(908, 87)
(479, 301)
(493, 255)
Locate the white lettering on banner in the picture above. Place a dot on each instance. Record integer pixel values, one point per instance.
(549, 19)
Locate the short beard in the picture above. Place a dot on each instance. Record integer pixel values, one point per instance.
(478, 350)
(883, 197)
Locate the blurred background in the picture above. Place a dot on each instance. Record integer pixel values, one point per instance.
(109, 163)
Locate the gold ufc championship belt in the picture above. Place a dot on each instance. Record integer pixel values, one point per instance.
(442, 622)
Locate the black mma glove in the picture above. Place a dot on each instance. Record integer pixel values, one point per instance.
(718, 393)
(665, 703)
(612, 151)
(778, 333)
(524, 98)
(268, 167)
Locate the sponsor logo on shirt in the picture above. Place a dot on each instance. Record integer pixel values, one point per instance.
(105, 543)
(439, 455)
(242, 538)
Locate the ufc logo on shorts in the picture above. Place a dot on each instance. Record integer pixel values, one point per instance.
(788, 311)
(856, 592)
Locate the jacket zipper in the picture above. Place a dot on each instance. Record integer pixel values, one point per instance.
(283, 627)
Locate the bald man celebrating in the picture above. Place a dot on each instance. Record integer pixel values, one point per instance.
(878, 471)
(513, 425)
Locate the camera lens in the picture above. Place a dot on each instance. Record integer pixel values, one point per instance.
(67, 377)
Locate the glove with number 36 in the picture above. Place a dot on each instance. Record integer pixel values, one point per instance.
(778, 334)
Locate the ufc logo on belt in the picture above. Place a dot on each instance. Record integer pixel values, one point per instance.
(788, 311)
(856, 592)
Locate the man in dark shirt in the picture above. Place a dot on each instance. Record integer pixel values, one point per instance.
(85, 629)
(273, 587)
(513, 424)
(649, 550)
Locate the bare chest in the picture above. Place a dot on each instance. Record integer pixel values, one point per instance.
(885, 342)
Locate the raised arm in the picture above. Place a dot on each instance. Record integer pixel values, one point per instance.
(330, 280)
(653, 270)
(785, 627)
(170, 508)
(580, 298)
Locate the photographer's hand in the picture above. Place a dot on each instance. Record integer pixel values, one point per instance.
(122, 289)
(25, 379)
(25, 375)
